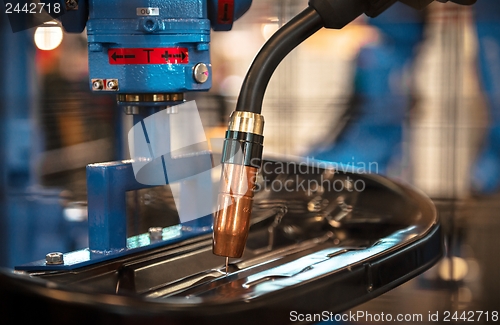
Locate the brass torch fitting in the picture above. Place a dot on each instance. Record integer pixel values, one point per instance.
(241, 160)
(246, 122)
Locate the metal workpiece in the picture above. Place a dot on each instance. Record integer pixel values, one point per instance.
(294, 259)
(232, 221)
(249, 122)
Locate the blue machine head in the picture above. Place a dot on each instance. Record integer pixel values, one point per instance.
(150, 52)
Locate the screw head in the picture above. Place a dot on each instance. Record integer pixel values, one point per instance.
(71, 4)
(97, 84)
(201, 73)
(151, 25)
(155, 233)
(54, 258)
(112, 84)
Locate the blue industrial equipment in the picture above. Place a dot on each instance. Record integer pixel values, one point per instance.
(149, 53)
(107, 184)
(150, 47)
(334, 249)
(352, 248)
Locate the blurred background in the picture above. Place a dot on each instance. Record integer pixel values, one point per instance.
(411, 95)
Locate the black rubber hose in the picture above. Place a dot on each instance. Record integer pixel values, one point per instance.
(272, 53)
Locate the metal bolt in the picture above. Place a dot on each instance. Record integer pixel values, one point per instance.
(97, 84)
(112, 84)
(151, 25)
(54, 258)
(155, 233)
(200, 73)
(71, 4)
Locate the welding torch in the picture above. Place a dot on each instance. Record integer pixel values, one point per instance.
(246, 125)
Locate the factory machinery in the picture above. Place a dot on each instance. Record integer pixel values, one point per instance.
(341, 240)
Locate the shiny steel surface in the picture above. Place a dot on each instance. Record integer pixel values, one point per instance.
(170, 97)
(201, 73)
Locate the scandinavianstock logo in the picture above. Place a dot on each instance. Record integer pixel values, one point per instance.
(170, 147)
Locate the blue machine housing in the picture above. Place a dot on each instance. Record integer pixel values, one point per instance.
(147, 25)
(179, 24)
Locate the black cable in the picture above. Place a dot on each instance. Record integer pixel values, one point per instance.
(272, 53)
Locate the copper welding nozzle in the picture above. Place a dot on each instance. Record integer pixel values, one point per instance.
(240, 161)
(232, 221)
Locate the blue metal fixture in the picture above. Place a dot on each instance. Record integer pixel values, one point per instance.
(107, 184)
(148, 52)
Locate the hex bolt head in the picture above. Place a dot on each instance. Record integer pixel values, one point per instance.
(54, 258)
(200, 73)
(155, 233)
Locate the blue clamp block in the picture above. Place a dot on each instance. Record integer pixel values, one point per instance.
(107, 184)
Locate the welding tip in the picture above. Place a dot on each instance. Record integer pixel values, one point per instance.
(232, 222)
(241, 160)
